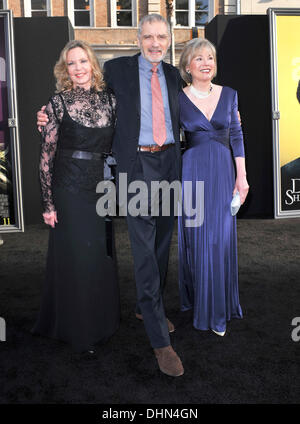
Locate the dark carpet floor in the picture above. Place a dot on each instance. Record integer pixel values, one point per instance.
(257, 362)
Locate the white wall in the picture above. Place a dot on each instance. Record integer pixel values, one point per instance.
(257, 7)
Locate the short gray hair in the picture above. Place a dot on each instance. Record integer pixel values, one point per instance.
(153, 17)
(191, 49)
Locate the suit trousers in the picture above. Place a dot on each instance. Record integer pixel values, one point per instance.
(150, 238)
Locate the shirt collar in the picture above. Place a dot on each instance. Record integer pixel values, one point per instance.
(145, 65)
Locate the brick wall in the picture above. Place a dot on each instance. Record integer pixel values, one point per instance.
(154, 6)
(17, 7)
(107, 35)
(103, 34)
(102, 13)
(58, 8)
(143, 8)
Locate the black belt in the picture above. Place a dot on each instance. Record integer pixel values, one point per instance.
(108, 159)
(80, 154)
(154, 148)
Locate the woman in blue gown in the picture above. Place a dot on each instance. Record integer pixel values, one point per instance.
(208, 270)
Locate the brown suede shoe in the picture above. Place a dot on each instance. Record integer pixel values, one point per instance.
(168, 361)
(171, 326)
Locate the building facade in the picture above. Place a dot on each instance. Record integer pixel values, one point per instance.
(110, 26)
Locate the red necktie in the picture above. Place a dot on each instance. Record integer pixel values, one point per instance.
(158, 112)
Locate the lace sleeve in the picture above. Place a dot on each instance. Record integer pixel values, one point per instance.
(113, 107)
(110, 98)
(113, 101)
(48, 149)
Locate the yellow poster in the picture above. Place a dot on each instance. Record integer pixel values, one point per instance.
(288, 92)
(288, 60)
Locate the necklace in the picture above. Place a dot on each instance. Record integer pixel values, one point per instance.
(200, 94)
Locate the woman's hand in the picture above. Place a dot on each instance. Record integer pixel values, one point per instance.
(42, 118)
(241, 183)
(242, 186)
(50, 218)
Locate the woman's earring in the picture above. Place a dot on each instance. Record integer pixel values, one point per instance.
(188, 71)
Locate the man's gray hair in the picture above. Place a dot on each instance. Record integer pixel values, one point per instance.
(153, 17)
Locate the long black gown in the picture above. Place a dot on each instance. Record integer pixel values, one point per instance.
(80, 302)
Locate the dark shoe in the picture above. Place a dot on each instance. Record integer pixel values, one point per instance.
(171, 326)
(168, 361)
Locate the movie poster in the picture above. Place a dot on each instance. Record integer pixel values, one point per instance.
(285, 51)
(11, 216)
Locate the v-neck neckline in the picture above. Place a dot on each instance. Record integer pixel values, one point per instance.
(199, 110)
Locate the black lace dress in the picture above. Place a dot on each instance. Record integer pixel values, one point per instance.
(80, 302)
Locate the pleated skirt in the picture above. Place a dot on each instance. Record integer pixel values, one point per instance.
(208, 267)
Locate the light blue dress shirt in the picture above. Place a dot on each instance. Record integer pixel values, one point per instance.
(145, 73)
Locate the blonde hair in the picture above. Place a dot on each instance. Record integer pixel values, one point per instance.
(191, 50)
(63, 81)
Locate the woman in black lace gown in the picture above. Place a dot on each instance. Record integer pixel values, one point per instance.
(80, 303)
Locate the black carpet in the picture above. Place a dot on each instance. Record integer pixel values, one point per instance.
(257, 362)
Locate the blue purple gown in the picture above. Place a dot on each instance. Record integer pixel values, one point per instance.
(208, 269)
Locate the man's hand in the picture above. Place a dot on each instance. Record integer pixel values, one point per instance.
(42, 118)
